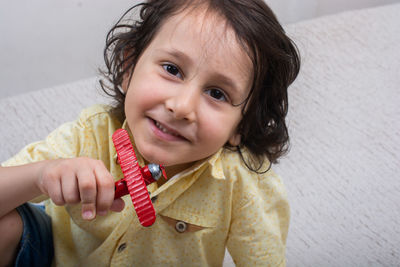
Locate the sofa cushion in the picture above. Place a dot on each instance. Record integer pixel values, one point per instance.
(342, 172)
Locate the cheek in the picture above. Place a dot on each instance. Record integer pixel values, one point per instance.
(219, 127)
(141, 94)
(146, 84)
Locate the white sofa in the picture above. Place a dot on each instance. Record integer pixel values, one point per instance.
(342, 172)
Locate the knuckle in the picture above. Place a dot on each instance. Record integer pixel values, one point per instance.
(65, 164)
(50, 175)
(107, 182)
(72, 199)
(87, 185)
(87, 199)
(88, 194)
(58, 200)
(91, 162)
(82, 160)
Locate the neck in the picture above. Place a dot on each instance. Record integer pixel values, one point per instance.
(175, 169)
(172, 171)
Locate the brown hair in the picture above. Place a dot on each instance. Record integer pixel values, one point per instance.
(275, 60)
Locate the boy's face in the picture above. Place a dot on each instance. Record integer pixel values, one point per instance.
(180, 101)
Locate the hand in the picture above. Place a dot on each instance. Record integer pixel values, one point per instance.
(80, 180)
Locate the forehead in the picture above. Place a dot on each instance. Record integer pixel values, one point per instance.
(207, 28)
(206, 38)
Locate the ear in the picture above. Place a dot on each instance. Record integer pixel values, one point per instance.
(234, 140)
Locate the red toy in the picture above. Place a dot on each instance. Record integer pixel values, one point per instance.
(135, 178)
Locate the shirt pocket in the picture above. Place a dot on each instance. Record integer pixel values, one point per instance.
(187, 222)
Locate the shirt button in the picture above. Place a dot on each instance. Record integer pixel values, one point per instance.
(122, 247)
(153, 199)
(180, 226)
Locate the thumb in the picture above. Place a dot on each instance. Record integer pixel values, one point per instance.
(118, 205)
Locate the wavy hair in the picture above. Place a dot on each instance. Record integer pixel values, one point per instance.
(275, 59)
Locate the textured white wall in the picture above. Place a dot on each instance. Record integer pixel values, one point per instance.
(289, 11)
(46, 42)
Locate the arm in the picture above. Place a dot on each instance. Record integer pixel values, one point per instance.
(65, 181)
(65, 168)
(18, 185)
(259, 225)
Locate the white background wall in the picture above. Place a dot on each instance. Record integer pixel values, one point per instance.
(48, 42)
(289, 11)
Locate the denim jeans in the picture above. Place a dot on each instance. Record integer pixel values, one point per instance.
(36, 245)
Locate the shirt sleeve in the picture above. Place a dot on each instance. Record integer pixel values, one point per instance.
(64, 142)
(260, 220)
(70, 140)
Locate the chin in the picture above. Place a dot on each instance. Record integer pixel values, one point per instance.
(152, 155)
(161, 158)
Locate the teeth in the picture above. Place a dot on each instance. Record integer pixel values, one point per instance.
(159, 126)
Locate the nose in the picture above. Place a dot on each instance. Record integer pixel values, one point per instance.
(183, 104)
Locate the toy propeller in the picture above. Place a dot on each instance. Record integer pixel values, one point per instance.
(135, 178)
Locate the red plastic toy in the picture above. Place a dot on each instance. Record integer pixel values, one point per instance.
(135, 178)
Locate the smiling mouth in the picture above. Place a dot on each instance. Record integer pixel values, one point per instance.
(164, 130)
(167, 131)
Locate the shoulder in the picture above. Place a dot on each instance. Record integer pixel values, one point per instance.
(250, 184)
(88, 135)
(95, 113)
(98, 120)
(92, 122)
(91, 132)
(260, 213)
(235, 169)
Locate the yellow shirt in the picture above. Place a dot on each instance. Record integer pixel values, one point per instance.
(222, 203)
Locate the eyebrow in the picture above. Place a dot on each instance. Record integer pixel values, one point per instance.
(228, 82)
(176, 54)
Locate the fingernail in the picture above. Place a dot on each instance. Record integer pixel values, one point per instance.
(88, 215)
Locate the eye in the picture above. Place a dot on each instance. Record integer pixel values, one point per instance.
(173, 70)
(217, 94)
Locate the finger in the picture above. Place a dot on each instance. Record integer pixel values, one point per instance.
(70, 189)
(53, 187)
(87, 193)
(105, 189)
(118, 205)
